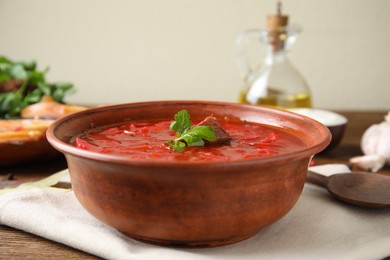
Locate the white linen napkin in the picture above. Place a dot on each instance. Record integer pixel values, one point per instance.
(318, 227)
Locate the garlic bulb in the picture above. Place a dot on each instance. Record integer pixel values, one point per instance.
(376, 139)
(375, 144)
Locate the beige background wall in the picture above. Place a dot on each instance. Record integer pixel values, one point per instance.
(118, 51)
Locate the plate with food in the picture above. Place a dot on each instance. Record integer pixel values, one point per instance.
(28, 105)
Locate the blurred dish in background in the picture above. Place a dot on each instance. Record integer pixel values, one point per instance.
(335, 122)
(26, 94)
(24, 140)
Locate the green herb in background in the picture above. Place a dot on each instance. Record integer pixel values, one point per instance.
(187, 135)
(21, 84)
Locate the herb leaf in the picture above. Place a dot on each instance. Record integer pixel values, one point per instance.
(176, 145)
(187, 135)
(197, 134)
(182, 122)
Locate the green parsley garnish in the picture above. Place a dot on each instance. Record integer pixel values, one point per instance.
(187, 135)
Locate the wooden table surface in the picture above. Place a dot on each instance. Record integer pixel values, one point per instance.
(15, 244)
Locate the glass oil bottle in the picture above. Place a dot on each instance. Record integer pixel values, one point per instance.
(276, 82)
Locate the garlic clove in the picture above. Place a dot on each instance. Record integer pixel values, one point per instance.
(372, 163)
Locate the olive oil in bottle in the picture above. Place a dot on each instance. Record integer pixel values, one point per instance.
(290, 101)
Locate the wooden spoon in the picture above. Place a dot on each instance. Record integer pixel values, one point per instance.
(361, 189)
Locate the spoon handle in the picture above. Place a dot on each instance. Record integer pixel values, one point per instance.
(317, 179)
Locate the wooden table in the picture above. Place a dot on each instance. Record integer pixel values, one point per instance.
(18, 244)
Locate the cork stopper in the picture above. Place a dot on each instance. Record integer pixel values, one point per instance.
(276, 24)
(276, 21)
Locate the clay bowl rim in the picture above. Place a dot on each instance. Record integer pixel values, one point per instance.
(68, 149)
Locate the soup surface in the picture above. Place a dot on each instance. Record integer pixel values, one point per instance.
(147, 140)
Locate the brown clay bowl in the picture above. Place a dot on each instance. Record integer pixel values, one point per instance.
(188, 204)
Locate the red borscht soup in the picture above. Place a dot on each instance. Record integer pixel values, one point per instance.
(147, 140)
